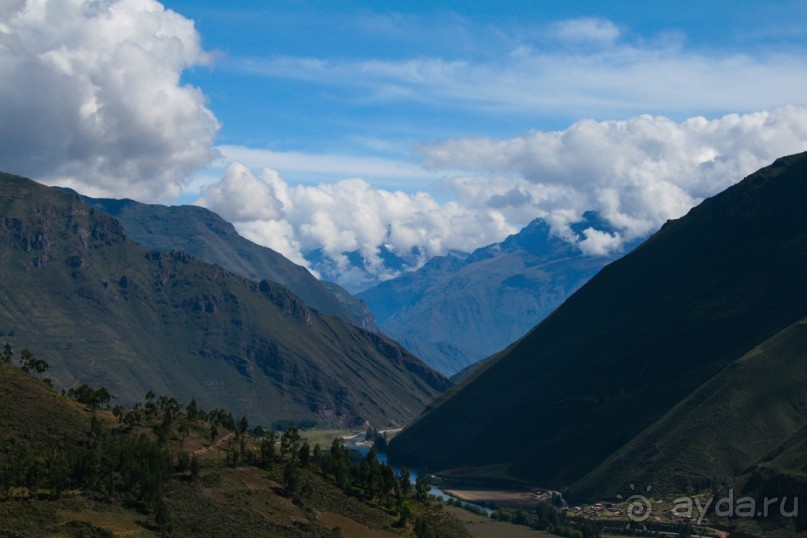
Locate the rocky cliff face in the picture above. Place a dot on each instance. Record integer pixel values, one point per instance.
(108, 312)
(202, 233)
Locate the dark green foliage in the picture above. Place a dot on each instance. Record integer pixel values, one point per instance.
(267, 449)
(422, 485)
(337, 464)
(115, 465)
(168, 406)
(290, 442)
(546, 518)
(243, 425)
(304, 455)
(195, 467)
(223, 418)
(403, 482)
(119, 411)
(163, 519)
(366, 476)
(192, 411)
(405, 515)
(423, 529)
(376, 438)
(291, 479)
(89, 396)
(546, 515)
(183, 462)
(183, 432)
(30, 363)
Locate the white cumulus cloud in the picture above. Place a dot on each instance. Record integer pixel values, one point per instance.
(635, 173)
(348, 216)
(91, 96)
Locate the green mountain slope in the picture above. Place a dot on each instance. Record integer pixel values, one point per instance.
(637, 339)
(781, 475)
(202, 233)
(32, 416)
(728, 425)
(108, 312)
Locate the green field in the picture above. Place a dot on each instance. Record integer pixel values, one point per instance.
(325, 437)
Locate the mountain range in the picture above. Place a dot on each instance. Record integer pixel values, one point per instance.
(454, 311)
(106, 311)
(460, 308)
(681, 365)
(202, 233)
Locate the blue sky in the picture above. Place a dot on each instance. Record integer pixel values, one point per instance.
(329, 129)
(265, 95)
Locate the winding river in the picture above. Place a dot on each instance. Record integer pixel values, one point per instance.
(357, 443)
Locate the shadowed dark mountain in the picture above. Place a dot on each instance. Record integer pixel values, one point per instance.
(672, 326)
(204, 234)
(108, 312)
(458, 309)
(737, 419)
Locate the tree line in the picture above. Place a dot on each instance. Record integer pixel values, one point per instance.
(128, 459)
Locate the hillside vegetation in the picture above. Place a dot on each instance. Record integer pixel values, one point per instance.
(749, 411)
(164, 469)
(105, 311)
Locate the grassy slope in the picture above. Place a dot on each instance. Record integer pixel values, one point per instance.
(722, 429)
(33, 415)
(781, 473)
(643, 334)
(223, 502)
(107, 312)
(202, 233)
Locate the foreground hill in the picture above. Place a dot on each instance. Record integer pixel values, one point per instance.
(458, 309)
(643, 335)
(71, 470)
(204, 234)
(108, 312)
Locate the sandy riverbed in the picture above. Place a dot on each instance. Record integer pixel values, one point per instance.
(500, 498)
